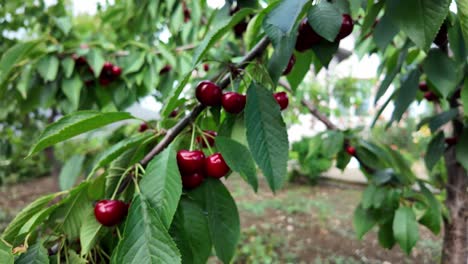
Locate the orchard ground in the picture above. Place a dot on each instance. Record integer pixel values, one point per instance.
(300, 224)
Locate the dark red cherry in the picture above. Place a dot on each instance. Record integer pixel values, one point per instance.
(306, 37)
(208, 93)
(206, 67)
(282, 99)
(107, 66)
(116, 71)
(346, 27)
(451, 141)
(209, 137)
(110, 212)
(190, 162)
(215, 166)
(233, 102)
(104, 81)
(143, 127)
(290, 65)
(191, 181)
(174, 113)
(430, 96)
(351, 150)
(167, 68)
(423, 87)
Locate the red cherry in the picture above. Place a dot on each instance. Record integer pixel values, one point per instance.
(206, 67)
(110, 212)
(190, 162)
(79, 60)
(346, 27)
(306, 37)
(116, 71)
(423, 87)
(104, 81)
(430, 96)
(143, 127)
(209, 136)
(233, 102)
(351, 150)
(240, 28)
(191, 181)
(174, 113)
(107, 66)
(215, 166)
(282, 99)
(167, 68)
(451, 141)
(208, 93)
(291, 63)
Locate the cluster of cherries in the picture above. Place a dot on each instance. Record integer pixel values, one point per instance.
(194, 166)
(109, 72)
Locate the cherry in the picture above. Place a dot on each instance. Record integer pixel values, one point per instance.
(307, 37)
(167, 68)
(282, 99)
(240, 28)
(209, 137)
(143, 127)
(423, 87)
(451, 141)
(346, 27)
(351, 150)
(116, 71)
(441, 39)
(215, 166)
(430, 96)
(174, 113)
(233, 102)
(291, 63)
(104, 81)
(110, 212)
(191, 181)
(190, 162)
(187, 15)
(79, 60)
(206, 67)
(208, 93)
(107, 67)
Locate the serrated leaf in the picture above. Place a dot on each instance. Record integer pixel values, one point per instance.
(135, 63)
(221, 28)
(223, 217)
(74, 210)
(22, 217)
(74, 258)
(75, 124)
(89, 233)
(96, 61)
(190, 232)
(72, 89)
(266, 135)
(145, 239)
(239, 159)
(68, 64)
(64, 23)
(300, 69)
(174, 96)
(35, 221)
(363, 221)
(332, 143)
(6, 255)
(462, 8)
(384, 32)
(368, 196)
(441, 71)
(419, 19)
(405, 228)
(462, 149)
(325, 19)
(162, 184)
(406, 95)
(48, 67)
(324, 51)
(432, 218)
(36, 254)
(25, 81)
(435, 150)
(70, 172)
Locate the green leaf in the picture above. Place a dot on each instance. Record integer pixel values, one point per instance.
(432, 218)
(68, 64)
(462, 150)
(174, 96)
(363, 221)
(70, 172)
(342, 160)
(22, 217)
(74, 258)
(6, 255)
(25, 82)
(406, 95)
(419, 19)
(441, 71)
(223, 217)
(222, 27)
(34, 221)
(325, 19)
(239, 159)
(300, 69)
(324, 51)
(436, 121)
(64, 23)
(36, 254)
(435, 150)
(190, 232)
(75, 209)
(462, 8)
(162, 184)
(96, 61)
(384, 32)
(12, 57)
(89, 233)
(385, 235)
(135, 62)
(48, 67)
(145, 239)
(368, 196)
(72, 89)
(266, 135)
(116, 150)
(464, 97)
(332, 143)
(405, 228)
(75, 124)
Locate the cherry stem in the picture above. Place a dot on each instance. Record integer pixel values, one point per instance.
(205, 139)
(118, 233)
(193, 137)
(120, 182)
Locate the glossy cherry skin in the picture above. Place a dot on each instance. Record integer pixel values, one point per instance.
(209, 137)
(423, 87)
(306, 37)
(208, 93)
(282, 99)
(290, 66)
(167, 68)
(191, 181)
(143, 127)
(107, 66)
(190, 162)
(430, 96)
(346, 27)
(351, 150)
(215, 166)
(110, 212)
(233, 102)
(116, 71)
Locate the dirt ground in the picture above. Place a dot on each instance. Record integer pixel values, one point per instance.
(300, 224)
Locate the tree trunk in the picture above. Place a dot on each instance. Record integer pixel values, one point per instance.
(455, 247)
